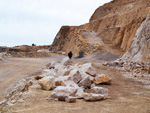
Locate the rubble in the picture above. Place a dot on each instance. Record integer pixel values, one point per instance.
(69, 82)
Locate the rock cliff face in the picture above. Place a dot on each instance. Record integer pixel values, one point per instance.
(111, 28)
(140, 48)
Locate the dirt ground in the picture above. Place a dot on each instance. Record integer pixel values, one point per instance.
(14, 69)
(126, 95)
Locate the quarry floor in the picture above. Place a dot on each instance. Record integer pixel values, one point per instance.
(126, 95)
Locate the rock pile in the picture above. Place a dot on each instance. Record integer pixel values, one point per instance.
(69, 81)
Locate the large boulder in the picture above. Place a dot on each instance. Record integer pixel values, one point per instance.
(92, 96)
(62, 92)
(102, 79)
(47, 83)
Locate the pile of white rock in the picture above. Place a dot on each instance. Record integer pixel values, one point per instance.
(68, 81)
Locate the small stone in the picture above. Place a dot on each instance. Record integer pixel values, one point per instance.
(105, 63)
(93, 97)
(99, 79)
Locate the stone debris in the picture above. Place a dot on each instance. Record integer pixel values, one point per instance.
(61, 93)
(47, 83)
(99, 79)
(69, 81)
(93, 96)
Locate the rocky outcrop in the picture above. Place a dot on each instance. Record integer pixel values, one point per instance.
(140, 48)
(111, 28)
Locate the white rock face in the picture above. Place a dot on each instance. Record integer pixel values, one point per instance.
(47, 83)
(62, 92)
(92, 97)
(86, 82)
(140, 48)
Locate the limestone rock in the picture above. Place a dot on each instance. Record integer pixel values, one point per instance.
(71, 83)
(76, 77)
(62, 92)
(93, 97)
(91, 71)
(47, 83)
(99, 79)
(140, 48)
(86, 82)
(79, 93)
(59, 81)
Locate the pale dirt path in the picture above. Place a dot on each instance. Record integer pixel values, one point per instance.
(14, 69)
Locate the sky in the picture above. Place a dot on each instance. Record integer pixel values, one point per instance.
(24, 22)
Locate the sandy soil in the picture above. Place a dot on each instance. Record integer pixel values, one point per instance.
(126, 95)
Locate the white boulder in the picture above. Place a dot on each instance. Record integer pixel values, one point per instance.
(61, 93)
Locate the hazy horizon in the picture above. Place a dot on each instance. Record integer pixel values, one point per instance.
(24, 22)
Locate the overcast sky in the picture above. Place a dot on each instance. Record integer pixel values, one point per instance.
(23, 22)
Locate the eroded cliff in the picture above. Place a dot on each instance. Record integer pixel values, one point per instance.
(111, 28)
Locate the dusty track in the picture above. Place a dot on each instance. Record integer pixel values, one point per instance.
(14, 69)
